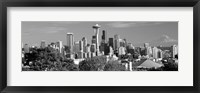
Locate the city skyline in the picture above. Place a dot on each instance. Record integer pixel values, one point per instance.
(105, 52)
(136, 33)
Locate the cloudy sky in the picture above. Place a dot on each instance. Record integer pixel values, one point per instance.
(137, 33)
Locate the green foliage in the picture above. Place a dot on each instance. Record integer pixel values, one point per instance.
(100, 64)
(93, 64)
(170, 66)
(48, 59)
(114, 66)
(155, 69)
(68, 65)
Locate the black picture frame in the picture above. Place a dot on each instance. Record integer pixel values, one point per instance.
(99, 3)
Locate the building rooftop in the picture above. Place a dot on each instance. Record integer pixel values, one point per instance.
(148, 64)
(70, 33)
(96, 26)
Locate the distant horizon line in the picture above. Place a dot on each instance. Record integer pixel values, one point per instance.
(90, 44)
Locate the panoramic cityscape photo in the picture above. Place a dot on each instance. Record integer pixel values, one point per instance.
(99, 45)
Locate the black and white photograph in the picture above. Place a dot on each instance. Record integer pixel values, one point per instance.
(99, 45)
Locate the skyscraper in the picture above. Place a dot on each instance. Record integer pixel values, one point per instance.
(88, 51)
(146, 45)
(70, 41)
(88, 48)
(96, 32)
(160, 53)
(116, 42)
(80, 52)
(104, 36)
(121, 43)
(130, 48)
(103, 45)
(80, 46)
(42, 44)
(155, 52)
(93, 39)
(60, 45)
(125, 42)
(111, 52)
(26, 48)
(174, 50)
(76, 48)
(122, 51)
(84, 44)
(93, 48)
(111, 42)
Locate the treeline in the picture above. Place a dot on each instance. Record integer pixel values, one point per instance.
(49, 59)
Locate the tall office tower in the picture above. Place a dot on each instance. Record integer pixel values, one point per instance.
(149, 51)
(104, 36)
(111, 51)
(121, 43)
(93, 39)
(103, 42)
(26, 48)
(174, 51)
(146, 46)
(106, 49)
(130, 48)
(80, 54)
(60, 45)
(160, 53)
(42, 44)
(88, 48)
(81, 46)
(155, 52)
(84, 44)
(122, 51)
(96, 32)
(76, 47)
(70, 41)
(93, 48)
(66, 50)
(88, 51)
(125, 42)
(116, 42)
(111, 42)
(102, 47)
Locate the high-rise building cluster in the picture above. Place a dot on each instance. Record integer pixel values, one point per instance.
(107, 46)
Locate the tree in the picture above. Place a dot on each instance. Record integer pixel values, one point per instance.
(114, 66)
(93, 64)
(48, 59)
(30, 57)
(170, 66)
(68, 65)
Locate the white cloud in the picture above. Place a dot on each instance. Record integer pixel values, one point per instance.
(131, 24)
(168, 39)
(121, 24)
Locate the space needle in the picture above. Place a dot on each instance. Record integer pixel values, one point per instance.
(96, 32)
